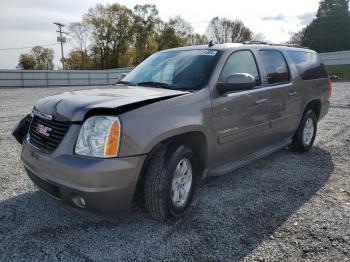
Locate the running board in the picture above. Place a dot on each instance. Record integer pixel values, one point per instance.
(229, 167)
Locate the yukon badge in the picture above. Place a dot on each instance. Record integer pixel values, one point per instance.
(44, 130)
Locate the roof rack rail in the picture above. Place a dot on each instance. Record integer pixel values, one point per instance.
(267, 43)
(252, 42)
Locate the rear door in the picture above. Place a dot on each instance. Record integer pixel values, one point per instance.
(285, 98)
(240, 119)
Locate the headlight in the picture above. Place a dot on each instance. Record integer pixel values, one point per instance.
(99, 137)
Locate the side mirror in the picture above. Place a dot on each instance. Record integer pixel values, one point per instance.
(236, 82)
(122, 75)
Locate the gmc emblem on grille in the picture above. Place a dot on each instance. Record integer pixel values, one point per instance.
(44, 130)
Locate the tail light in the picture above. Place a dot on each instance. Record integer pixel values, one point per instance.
(329, 88)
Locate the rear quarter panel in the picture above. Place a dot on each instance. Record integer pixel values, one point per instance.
(309, 90)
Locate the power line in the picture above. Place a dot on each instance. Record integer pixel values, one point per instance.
(25, 47)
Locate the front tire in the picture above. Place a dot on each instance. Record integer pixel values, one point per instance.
(170, 181)
(305, 135)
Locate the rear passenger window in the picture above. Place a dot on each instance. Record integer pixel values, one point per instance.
(275, 67)
(309, 65)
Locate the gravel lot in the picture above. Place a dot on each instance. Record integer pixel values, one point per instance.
(287, 206)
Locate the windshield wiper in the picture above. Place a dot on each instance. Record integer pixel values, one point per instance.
(155, 84)
(125, 83)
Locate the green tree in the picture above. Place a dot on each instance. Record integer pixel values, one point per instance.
(122, 21)
(223, 30)
(101, 34)
(168, 38)
(79, 60)
(26, 61)
(40, 58)
(178, 32)
(146, 23)
(330, 30)
(112, 33)
(43, 57)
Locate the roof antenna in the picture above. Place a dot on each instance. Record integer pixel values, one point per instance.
(211, 43)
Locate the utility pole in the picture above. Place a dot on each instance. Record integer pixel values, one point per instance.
(61, 39)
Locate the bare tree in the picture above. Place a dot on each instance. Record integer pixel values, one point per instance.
(259, 37)
(223, 30)
(297, 38)
(197, 39)
(79, 33)
(182, 28)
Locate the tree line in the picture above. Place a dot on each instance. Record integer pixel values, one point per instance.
(39, 58)
(112, 35)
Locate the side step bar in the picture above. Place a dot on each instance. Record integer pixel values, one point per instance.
(229, 167)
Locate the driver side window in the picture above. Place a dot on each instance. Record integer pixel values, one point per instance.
(240, 62)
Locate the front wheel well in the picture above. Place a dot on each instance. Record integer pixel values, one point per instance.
(314, 105)
(196, 140)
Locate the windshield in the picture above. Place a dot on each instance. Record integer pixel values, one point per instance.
(179, 70)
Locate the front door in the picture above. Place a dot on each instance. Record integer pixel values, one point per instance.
(240, 119)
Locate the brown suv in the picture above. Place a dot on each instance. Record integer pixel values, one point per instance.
(181, 115)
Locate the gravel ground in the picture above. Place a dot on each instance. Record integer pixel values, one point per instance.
(285, 207)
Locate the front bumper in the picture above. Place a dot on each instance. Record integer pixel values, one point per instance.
(105, 185)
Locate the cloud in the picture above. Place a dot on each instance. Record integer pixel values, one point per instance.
(288, 32)
(62, 6)
(32, 19)
(306, 18)
(280, 17)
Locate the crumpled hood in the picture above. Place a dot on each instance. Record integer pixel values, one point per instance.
(72, 106)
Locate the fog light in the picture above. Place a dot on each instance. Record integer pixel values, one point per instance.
(78, 200)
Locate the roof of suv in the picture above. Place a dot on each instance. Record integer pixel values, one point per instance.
(246, 44)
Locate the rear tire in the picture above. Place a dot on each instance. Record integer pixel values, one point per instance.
(169, 182)
(304, 137)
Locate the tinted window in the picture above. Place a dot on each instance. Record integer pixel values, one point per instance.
(309, 65)
(240, 62)
(275, 67)
(181, 70)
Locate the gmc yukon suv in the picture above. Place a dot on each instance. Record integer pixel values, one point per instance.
(180, 116)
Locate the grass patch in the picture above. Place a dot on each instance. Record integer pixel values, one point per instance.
(343, 70)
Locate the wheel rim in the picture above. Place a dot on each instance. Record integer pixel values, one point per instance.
(308, 131)
(181, 184)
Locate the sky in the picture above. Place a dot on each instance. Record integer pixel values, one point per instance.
(26, 23)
